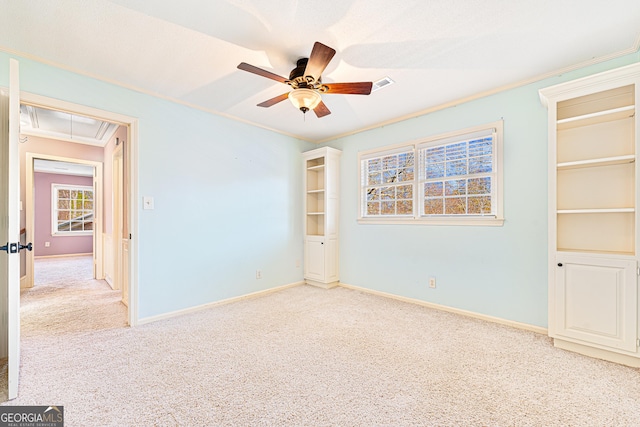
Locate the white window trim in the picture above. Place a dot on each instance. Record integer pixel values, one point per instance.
(480, 220)
(54, 209)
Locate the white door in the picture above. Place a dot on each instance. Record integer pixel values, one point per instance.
(596, 301)
(10, 225)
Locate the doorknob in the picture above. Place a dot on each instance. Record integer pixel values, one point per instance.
(28, 246)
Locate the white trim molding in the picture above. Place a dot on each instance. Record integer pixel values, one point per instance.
(498, 320)
(201, 307)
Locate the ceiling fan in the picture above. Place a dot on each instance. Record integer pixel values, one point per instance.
(306, 81)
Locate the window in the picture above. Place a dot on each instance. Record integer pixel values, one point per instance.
(72, 210)
(448, 179)
(389, 184)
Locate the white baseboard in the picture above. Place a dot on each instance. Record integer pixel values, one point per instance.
(514, 324)
(598, 353)
(214, 303)
(62, 255)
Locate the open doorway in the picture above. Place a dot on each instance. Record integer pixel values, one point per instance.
(67, 294)
(110, 256)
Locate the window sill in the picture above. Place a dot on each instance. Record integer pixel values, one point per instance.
(478, 221)
(72, 233)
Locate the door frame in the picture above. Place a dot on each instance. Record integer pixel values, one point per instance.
(98, 244)
(131, 183)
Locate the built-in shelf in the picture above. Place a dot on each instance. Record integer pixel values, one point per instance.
(606, 161)
(315, 168)
(597, 117)
(315, 191)
(591, 211)
(315, 213)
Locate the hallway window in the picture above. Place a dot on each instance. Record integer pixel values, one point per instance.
(72, 209)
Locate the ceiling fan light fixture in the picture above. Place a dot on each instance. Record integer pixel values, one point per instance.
(305, 99)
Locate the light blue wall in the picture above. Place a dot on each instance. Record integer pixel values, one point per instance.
(227, 195)
(497, 271)
(227, 202)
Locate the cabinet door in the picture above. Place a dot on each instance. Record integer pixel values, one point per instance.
(331, 259)
(314, 262)
(596, 301)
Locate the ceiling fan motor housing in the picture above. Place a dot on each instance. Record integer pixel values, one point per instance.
(298, 80)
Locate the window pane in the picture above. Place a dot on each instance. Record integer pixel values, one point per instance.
(457, 167)
(433, 207)
(405, 192)
(76, 226)
(435, 155)
(480, 164)
(433, 188)
(455, 187)
(390, 162)
(373, 194)
(374, 165)
(73, 194)
(63, 215)
(387, 193)
(388, 208)
(63, 194)
(375, 178)
(405, 174)
(405, 207)
(389, 176)
(480, 205)
(63, 204)
(88, 194)
(435, 170)
(64, 226)
(481, 147)
(405, 160)
(456, 151)
(480, 185)
(373, 208)
(88, 205)
(455, 205)
(88, 226)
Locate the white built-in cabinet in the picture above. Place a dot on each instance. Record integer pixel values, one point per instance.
(593, 218)
(321, 180)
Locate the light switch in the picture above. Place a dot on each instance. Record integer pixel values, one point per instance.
(147, 202)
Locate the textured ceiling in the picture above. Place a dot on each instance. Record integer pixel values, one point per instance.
(436, 51)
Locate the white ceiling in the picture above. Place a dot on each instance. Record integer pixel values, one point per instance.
(436, 51)
(64, 126)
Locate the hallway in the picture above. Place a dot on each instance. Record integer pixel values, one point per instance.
(66, 299)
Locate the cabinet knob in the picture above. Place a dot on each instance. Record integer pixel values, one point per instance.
(559, 264)
(322, 243)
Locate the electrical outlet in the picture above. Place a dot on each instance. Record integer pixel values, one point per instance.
(432, 282)
(258, 274)
(47, 244)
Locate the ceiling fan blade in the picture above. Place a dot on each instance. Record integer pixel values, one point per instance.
(264, 73)
(321, 110)
(359, 88)
(318, 60)
(274, 100)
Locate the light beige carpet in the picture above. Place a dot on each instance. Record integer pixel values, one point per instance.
(306, 356)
